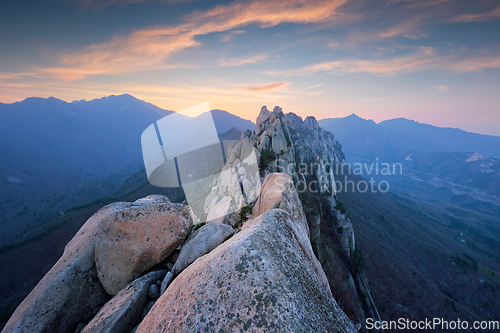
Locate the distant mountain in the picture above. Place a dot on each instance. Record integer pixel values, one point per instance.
(365, 137)
(447, 139)
(224, 121)
(451, 156)
(55, 155)
(233, 134)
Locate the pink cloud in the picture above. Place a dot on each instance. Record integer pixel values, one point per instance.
(267, 87)
(481, 17)
(153, 47)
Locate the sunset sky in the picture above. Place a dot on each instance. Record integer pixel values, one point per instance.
(434, 61)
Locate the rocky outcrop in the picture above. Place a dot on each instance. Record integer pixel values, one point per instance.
(311, 157)
(289, 265)
(238, 184)
(52, 306)
(70, 292)
(137, 238)
(124, 310)
(278, 191)
(201, 242)
(265, 278)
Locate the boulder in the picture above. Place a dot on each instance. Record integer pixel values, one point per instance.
(278, 191)
(154, 291)
(265, 278)
(124, 310)
(247, 186)
(152, 199)
(137, 238)
(201, 242)
(166, 281)
(70, 291)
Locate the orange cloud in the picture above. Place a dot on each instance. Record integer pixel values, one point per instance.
(317, 85)
(405, 64)
(472, 64)
(424, 58)
(10, 76)
(267, 87)
(243, 61)
(151, 48)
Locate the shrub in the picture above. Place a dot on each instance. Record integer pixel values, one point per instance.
(243, 213)
(266, 157)
(358, 254)
(340, 206)
(198, 226)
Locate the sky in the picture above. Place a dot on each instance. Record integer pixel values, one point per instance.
(434, 61)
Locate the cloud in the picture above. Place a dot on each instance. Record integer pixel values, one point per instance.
(481, 17)
(11, 76)
(267, 87)
(98, 5)
(396, 65)
(156, 47)
(422, 58)
(229, 36)
(440, 88)
(152, 48)
(314, 86)
(409, 28)
(242, 61)
(471, 64)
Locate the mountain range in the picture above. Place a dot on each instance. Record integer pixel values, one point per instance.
(425, 152)
(364, 138)
(427, 248)
(56, 155)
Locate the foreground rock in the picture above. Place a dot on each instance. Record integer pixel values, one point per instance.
(68, 294)
(265, 278)
(70, 291)
(124, 310)
(136, 239)
(201, 242)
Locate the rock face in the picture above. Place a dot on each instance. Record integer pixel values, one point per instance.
(201, 242)
(311, 156)
(265, 278)
(137, 238)
(278, 191)
(124, 310)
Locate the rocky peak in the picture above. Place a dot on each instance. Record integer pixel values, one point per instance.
(263, 116)
(260, 263)
(312, 123)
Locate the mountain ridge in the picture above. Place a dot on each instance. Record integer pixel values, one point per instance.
(89, 146)
(402, 133)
